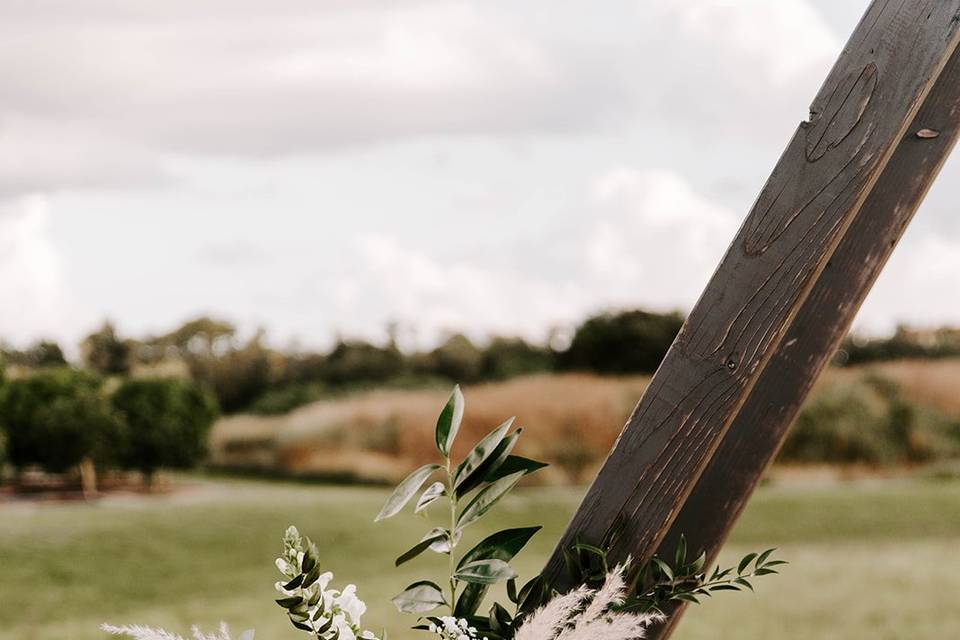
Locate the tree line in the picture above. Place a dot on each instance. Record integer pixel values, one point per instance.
(248, 375)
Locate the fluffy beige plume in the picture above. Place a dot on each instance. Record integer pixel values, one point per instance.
(140, 632)
(587, 614)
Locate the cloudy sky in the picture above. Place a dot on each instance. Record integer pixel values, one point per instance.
(328, 166)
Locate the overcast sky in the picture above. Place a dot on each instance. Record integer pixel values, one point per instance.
(323, 166)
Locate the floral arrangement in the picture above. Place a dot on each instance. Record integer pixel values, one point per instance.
(610, 604)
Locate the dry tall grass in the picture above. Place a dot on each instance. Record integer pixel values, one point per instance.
(570, 420)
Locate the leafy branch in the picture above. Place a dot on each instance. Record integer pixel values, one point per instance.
(470, 488)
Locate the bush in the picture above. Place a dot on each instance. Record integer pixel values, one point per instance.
(55, 419)
(356, 362)
(868, 421)
(507, 357)
(626, 342)
(457, 359)
(43, 354)
(166, 422)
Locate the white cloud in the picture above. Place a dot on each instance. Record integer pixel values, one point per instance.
(725, 58)
(31, 288)
(919, 286)
(659, 240)
(652, 241)
(220, 77)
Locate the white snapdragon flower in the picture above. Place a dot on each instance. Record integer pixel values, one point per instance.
(310, 603)
(451, 628)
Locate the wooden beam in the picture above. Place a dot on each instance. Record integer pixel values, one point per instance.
(804, 211)
(762, 424)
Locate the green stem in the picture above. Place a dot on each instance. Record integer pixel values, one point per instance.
(452, 499)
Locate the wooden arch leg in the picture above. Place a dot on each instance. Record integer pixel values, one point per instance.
(761, 425)
(781, 276)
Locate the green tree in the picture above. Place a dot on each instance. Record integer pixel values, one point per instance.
(507, 357)
(166, 422)
(43, 354)
(106, 353)
(457, 359)
(627, 342)
(57, 419)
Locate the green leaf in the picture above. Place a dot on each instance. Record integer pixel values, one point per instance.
(434, 535)
(429, 495)
(745, 562)
(419, 597)
(487, 497)
(512, 590)
(481, 452)
(664, 567)
(300, 625)
(763, 556)
(296, 582)
(681, 556)
(699, 562)
(744, 582)
(448, 424)
(485, 572)
(512, 464)
(502, 545)
(289, 602)
(405, 490)
(686, 597)
(312, 576)
(488, 467)
(725, 587)
(311, 556)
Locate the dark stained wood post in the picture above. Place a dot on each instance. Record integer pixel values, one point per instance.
(785, 292)
(761, 425)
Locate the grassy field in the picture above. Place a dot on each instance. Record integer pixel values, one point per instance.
(875, 559)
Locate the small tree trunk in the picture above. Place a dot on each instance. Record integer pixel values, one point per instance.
(88, 478)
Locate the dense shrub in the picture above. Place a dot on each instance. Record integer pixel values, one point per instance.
(55, 418)
(868, 421)
(507, 357)
(237, 376)
(44, 353)
(166, 422)
(627, 342)
(457, 359)
(357, 362)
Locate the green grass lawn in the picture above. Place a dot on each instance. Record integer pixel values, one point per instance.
(878, 560)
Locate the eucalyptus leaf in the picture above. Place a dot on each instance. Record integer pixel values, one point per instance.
(512, 464)
(448, 424)
(488, 467)
(486, 498)
(419, 597)
(485, 572)
(434, 535)
(405, 490)
(481, 452)
(430, 494)
(503, 545)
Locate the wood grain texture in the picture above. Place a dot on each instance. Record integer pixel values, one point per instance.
(804, 210)
(760, 427)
